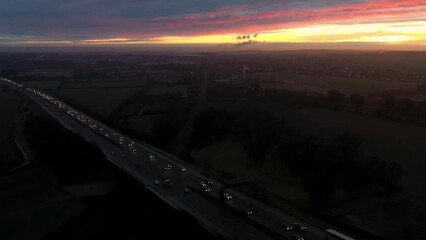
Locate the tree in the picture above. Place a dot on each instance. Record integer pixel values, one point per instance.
(320, 188)
(318, 100)
(388, 105)
(357, 101)
(386, 174)
(257, 130)
(336, 100)
(420, 110)
(405, 108)
(347, 149)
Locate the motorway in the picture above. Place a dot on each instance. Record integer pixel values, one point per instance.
(228, 218)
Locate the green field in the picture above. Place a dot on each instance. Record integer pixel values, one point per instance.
(323, 84)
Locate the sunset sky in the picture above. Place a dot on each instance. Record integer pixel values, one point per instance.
(220, 23)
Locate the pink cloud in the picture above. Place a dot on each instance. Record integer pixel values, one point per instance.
(243, 18)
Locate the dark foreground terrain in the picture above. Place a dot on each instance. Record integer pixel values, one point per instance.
(130, 212)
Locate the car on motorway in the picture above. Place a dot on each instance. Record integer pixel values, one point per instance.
(151, 157)
(286, 227)
(167, 183)
(207, 182)
(133, 150)
(169, 166)
(249, 212)
(156, 182)
(203, 184)
(166, 168)
(206, 189)
(164, 177)
(298, 227)
(186, 190)
(227, 196)
(183, 169)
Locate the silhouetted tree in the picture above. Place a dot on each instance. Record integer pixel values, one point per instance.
(320, 188)
(385, 174)
(287, 140)
(388, 105)
(317, 100)
(420, 110)
(336, 100)
(257, 130)
(405, 107)
(357, 102)
(347, 149)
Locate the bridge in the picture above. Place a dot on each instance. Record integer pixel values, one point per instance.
(241, 217)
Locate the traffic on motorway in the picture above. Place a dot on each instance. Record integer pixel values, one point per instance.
(177, 174)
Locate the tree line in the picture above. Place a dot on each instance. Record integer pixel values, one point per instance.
(389, 107)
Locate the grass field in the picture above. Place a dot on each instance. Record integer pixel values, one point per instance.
(283, 189)
(394, 141)
(53, 84)
(229, 156)
(59, 73)
(325, 83)
(103, 84)
(143, 124)
(102, 101)
(159, 89)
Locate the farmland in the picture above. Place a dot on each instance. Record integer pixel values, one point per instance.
(323, 84)
(394, 141)
(102, 101)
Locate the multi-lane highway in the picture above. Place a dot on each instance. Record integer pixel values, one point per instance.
(176, 182)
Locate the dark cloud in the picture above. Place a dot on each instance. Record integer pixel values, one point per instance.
(96, 18)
